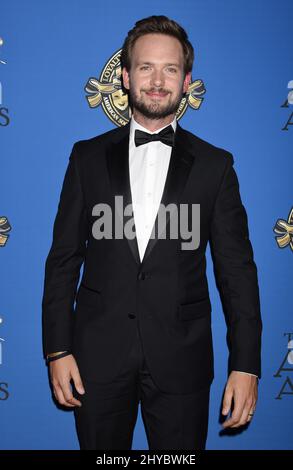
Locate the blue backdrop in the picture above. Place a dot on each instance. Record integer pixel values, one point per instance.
(243, 55)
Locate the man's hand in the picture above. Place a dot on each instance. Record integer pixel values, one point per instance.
(61, 372)
(242, 388)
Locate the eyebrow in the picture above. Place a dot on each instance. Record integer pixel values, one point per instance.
(151, 63)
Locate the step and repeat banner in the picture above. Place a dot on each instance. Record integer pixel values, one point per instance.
(60, 82)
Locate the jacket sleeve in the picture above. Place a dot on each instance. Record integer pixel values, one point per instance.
(236, 275)
(62, 267)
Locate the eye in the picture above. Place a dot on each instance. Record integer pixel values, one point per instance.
(172, 69)
(144, 67)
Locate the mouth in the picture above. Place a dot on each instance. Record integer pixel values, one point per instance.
(155, 94)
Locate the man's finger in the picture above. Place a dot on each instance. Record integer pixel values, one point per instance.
(244, 417)
(251, 413)
(59, 396)
(236, 415)
(77, 381)
(67, 392)
(227, 402)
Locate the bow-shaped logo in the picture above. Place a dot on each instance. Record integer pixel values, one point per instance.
(284, 229)
(4, 228)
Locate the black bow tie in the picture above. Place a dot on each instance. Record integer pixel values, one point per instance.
(166, 136)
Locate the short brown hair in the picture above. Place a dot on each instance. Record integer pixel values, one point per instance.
(161, 25)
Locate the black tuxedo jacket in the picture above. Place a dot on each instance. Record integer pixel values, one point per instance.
(166, 295)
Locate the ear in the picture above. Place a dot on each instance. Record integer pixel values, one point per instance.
(186, 82)
(125, 77)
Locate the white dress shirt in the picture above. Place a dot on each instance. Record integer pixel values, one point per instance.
(148, 168)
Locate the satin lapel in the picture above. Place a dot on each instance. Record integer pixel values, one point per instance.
(180, 164)
(118, 168)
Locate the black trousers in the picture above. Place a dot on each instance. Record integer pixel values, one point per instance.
(108, 414)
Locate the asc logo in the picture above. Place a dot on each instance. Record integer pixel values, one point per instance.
(4, 394)
(107, 91)
(287, 367)
(4, 118)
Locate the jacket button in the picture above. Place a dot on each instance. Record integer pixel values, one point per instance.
(131, 315)
(142, 276)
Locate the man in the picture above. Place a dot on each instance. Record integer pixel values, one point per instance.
(141, 330)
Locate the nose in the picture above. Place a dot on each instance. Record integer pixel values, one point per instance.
(157, 78)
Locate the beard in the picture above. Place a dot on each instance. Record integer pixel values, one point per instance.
(156, 109)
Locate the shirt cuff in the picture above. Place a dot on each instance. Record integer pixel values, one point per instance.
(246, 373)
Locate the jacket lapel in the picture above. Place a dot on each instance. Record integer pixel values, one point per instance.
(180, 164)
